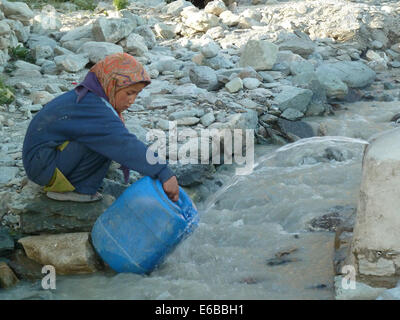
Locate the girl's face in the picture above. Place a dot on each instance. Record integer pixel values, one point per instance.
(126, 96)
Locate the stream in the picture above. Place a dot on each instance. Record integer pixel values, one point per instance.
(253, 240)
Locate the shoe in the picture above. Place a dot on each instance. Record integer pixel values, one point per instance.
(74, 196)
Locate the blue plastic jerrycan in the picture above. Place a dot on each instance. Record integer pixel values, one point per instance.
(142, 227)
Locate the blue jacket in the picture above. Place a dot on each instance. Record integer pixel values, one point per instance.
(94, 124)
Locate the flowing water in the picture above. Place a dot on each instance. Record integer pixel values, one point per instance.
(253, 240)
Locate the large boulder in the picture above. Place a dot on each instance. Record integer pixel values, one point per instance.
(259, 54)
(97, 51)
(294, 98)
(375, 248)
(69, 253)
(16, 11)
(135, 45)
(43, 215)
(354, 74)
(204, 77)
(112, 29)
(77, 33)
(71, 62)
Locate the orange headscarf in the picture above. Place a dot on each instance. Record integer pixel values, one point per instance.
(118, 71)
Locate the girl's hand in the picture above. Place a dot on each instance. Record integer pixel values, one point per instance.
(171, 188)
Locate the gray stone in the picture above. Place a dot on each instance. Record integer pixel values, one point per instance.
(354, 73)
(217, 62)
(97, 51)
(174, 8)
(300, 46)
(42, 52)
(164, 31)
(201, 21)
(187, 121)
(6, 242)
(204, 77)
(235, 85)
(293, 97)
(43, 215)
(41, 40)
(210, 50)
(192, 174)
(148, 36)
(298, 128)
(135, 44)
(361, 291)
(16, 11)
(112, 29)
(292, 114)
(261, 55)
(7, 174)
(71, 62)
(334, 86)
(207, 119)
(77, 33)
(25, 268)
(49, 67)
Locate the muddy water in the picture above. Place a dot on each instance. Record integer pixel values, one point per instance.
(253, 241)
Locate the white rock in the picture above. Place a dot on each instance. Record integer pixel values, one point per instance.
(251, 83)
(230, 19)
(259, 54)
(175, 8)
(4, 28)
(41, 97)
(215, 7)
(201, 21)
(97, 51)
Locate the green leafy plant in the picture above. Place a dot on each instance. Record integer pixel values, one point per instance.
(6, 93)
(120, 4)
(21, 53)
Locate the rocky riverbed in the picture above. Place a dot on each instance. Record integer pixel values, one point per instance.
(286, 69)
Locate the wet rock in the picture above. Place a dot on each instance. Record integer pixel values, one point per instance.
(338, 217)
(261, 55)
(43, 215)
(6, 242)
(112, 29)
(297, 128)
(7, 277)
(192, 174)
(25, 268)
(69, 253)
(71, 62)
(97, 51)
